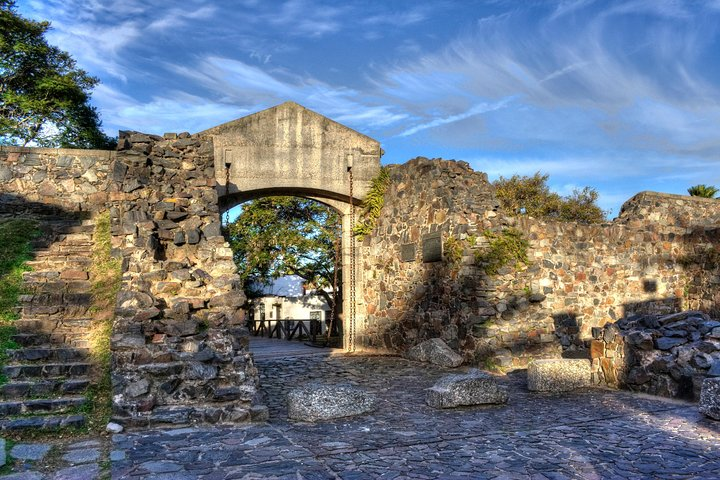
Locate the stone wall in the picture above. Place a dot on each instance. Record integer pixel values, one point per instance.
(408, 300)
(579, 276)
(179, 344)
(73, 180)
(668, 210)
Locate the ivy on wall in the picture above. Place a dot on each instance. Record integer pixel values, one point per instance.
(373, 203)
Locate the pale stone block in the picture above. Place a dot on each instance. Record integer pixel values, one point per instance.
(558, 374)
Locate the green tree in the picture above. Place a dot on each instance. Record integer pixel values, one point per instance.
(277, 236)
(44, 98)
(705, 191)
(532, 196)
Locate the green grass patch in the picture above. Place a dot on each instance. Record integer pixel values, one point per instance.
(15, 238)
(106, 276)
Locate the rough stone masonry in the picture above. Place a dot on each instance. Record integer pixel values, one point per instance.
(179, 344)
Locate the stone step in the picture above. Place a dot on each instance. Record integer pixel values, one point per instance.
(57, 299)
(44, 388)
(67, 312)
(60, 263)
(67, 228)
(40, 406)
(39, 287)
(43, 422)
(73, 340)
(59, 325)
(46, 370)
(48, 354)
(58, 250)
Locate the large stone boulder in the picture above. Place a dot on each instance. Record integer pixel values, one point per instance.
(434, 351)
(710, 398)
(317, 401)
(472, 388)
(558, 374)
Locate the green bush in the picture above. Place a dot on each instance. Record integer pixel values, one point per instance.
(508, 246)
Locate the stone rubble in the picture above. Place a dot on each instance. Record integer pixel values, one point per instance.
(668, 355)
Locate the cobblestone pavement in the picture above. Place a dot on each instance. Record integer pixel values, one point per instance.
(584, 435)
(60, 459)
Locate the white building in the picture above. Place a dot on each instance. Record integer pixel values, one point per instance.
(287, 300)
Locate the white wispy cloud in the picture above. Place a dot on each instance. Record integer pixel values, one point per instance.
(652, 94)
(175, 111)
(475, 110)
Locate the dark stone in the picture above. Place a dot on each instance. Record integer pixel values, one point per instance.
(432, 248)
(179, 238)
(640, 339)
(212, 230)
(666, 343)
(119, 170)
(702, 360)
(407, 252)
(131, 185)
(192, 236)
(536, 298)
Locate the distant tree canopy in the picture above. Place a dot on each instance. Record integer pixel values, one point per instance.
(44, 98)
(278, 236)
(532, 196)
(705, 191)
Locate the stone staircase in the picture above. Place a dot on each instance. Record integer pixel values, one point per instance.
(47, 377)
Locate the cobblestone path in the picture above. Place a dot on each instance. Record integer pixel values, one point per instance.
(584, 435)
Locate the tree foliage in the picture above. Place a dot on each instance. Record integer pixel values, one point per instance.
(278, 236)
(532, 196)
(44, 97)
(705, 191)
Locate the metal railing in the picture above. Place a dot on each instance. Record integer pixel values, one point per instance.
(286, 328)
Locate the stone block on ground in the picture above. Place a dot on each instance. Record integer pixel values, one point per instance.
(558, 374)
(710, 398)
(472, 388)
(434, 351)
(317, 401)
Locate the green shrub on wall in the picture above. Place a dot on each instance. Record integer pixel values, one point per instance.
(505, 247)
(452, 252)
(373, 203)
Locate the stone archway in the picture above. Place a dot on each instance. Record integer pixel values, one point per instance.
(290, 150)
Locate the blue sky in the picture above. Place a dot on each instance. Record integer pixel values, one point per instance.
(622, 96)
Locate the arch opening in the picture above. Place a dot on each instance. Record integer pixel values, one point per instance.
(288, 250)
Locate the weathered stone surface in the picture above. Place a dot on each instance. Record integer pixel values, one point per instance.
(710, 398)
(558, 375)
(472, 388)
(434, 351)
(30, 451)
(318, 401)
